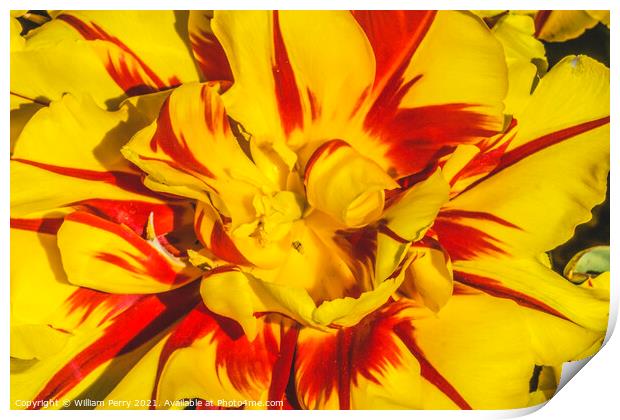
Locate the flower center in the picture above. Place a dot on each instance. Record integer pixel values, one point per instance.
(275, 215)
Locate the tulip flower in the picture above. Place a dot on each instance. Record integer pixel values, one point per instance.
(295, 209)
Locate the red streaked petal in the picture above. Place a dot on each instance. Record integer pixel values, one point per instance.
(283, 366)
(131, 74)
(415, 113)
(211, 233)
(207, 49)
(110, 257)
(129, 330)
(209, 356)
(521, 152)
(174, 146)
(463, 241)
(420, 136)
(394, 35)
(85, 301)
(130, 182)
(333, 363)
(242, 362)
(135, 214)
(43, 225)
(404, 331)
(287, 93)
(495, 288)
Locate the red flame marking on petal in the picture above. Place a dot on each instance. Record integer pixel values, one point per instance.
(497, 289)
(151, 263)
(394, 36)
(540, 19)
(142, 321)
(173, 146)
(283, 365)
(287, 93)
(128, 79)
(404, 331)
(124, 180)
(210, 56)
(521, 152)
(43, 225)
(222, 246)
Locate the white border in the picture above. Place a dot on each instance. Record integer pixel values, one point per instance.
(592, 394)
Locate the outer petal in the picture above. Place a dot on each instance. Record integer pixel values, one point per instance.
(478, 352)
(207, 50)
(428, 106)
(559, 156)
(38, 282)
(533, 285)
(73, 319)
(475, 353)
(22, 109)
(209, 357)
(358, 367)
(109, 257)
(106, 350)
(562, 25)
(86, 165)
(112, 55)
(278, 88)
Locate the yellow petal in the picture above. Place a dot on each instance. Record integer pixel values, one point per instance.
(38, 283)
(31, 341)
(414, 211)
(334, 44)
(602, 16)
(191, 150)
(535, 286)
(525, 56)
(431, 277)
(459, 43)
(87, 164)
(277, 87)
(346, 185)
(407, 220)
(208, 357)
(109, 257)
(562, 25)
(559, 156)
(22, 110)
(480, 346)
(252, 295)
(112, 55)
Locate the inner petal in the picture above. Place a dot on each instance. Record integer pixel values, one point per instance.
(346, 185)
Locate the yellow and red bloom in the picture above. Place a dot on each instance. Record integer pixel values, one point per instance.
(326, 209)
